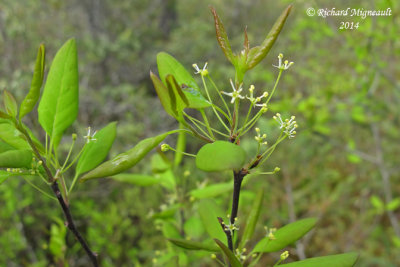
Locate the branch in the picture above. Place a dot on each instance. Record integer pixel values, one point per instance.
(56, 189)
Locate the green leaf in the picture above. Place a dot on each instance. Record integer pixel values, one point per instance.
(167, 179)
(222, 37)
(211, 190)
(220, 156)
(167, 213)
(96, 151)
(234, 262)
(168, 65)
(256, 54)
(58, 106)
(193, 245)
(10, 135)
(126, 160)
(377, 203)
(16, 159)
(5, 147)
(159, 163)
(285, 235)
(195, 98)
(339, 260)
(170, 231)
(179, 101)
(163, 94)
(393, 205)
(136, 179)
(32, 97)
(4, 115)
(170, 96)
(209, 213)
(10, 104)
(252, 218)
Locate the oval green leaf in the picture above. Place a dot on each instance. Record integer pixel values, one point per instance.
(32, 97)
(195, 98)
(168, 65)
(16, 159)
(11, 136)
(96, 151)
(339, 260)
(286, 235)
(220, 156)
(193, 245)
(58, 106)
(126, 160)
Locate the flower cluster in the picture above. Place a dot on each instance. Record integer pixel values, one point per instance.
(289, 126)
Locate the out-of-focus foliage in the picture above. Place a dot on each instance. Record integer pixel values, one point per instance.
(343, 88)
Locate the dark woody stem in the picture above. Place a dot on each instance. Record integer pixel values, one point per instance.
(227, 233)
(65, 207)
(237, 183)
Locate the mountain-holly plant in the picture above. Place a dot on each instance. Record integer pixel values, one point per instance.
(181, 97)
(178, 93)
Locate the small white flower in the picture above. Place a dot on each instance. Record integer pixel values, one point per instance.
(235, 94)
(289, 126)
(203, 72)
(231, 226)
(255, 100)
(90, 137)
(285, 65)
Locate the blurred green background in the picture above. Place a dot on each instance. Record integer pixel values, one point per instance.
(343, 167)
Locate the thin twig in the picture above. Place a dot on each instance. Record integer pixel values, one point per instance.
(56, 189)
